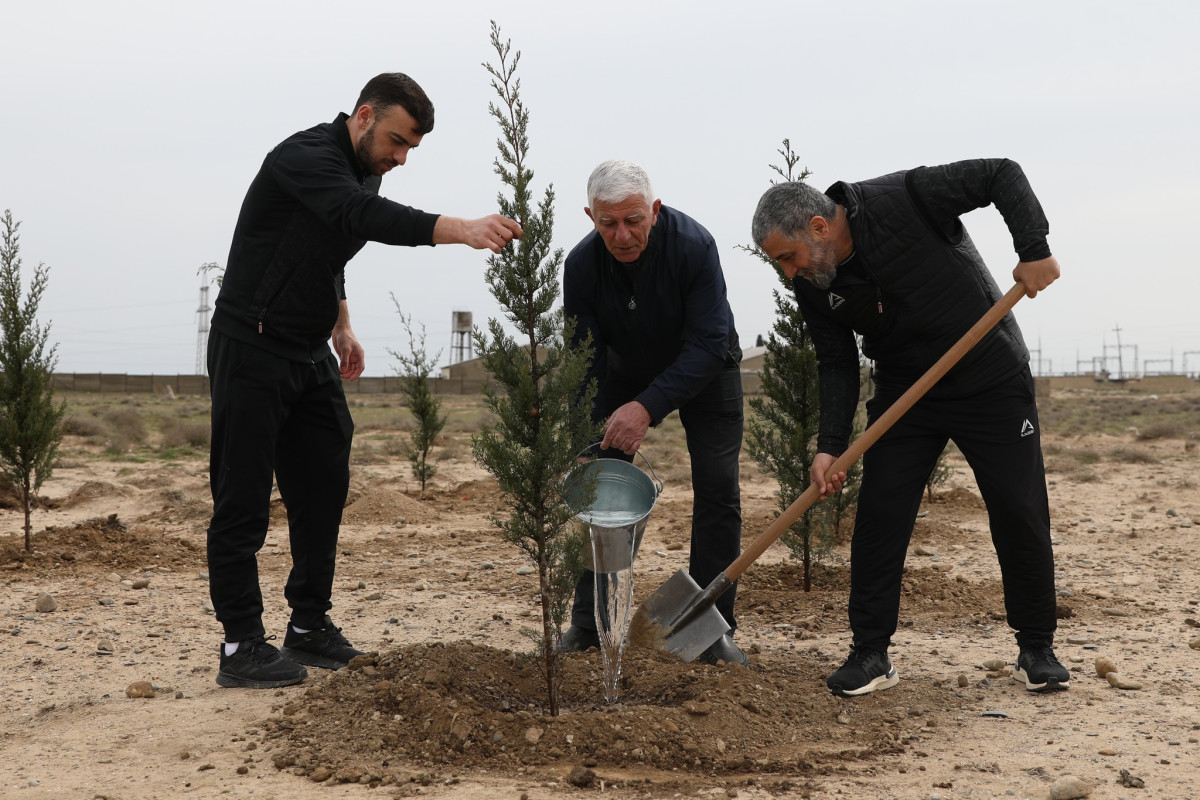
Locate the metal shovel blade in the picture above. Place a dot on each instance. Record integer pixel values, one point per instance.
(662, 621)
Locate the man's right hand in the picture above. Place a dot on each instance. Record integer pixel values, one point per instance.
(492, 232)
(820, 468)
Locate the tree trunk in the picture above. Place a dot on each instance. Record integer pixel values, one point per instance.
(27, 503)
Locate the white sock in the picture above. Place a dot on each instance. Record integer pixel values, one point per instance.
(231, 648)
(301, 630)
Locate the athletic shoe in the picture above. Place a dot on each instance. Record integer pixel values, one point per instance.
(324, 647)
(865, 671)
(258, 665)
(724, 651)
(1040, 670)
(578, 640)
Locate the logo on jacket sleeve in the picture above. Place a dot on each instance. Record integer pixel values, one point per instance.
(835, 300)
(1026, 429)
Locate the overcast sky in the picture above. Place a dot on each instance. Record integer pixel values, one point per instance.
(131, 131)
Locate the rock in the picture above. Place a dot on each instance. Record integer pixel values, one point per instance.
(320, 774)
(419, 586)
(1121, 682)
(140, 689)
(140, 583)
(995, 664)
(104, 647)
(698, 708)
(1114, 612)
(963, 682)
(581, 777)
(1131, 580)
(46, 603)
(112, 577)
(1195, 643)
(534, 735)
(524, 570)
(1105, 666)
(1130, 781)
(1079, 639)
(924, 550)
(1068, 787)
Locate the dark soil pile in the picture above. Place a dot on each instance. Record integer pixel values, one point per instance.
(101, 541)
(461, 705)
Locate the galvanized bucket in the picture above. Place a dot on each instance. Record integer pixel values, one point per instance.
(625, 496)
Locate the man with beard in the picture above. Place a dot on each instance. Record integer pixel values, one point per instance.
(278, 408)
(647, 286)
(890, 260)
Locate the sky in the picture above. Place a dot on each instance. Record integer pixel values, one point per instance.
(131, 130)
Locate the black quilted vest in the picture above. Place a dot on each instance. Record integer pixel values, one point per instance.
(912, 291)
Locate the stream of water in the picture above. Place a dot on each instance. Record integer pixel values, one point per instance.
(614, 602)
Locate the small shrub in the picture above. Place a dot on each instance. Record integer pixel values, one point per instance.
(179, 433)
(1133, 455)
(82, 426)
(1172, 429)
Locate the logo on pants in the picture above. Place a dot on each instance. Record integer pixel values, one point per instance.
(1026, 429)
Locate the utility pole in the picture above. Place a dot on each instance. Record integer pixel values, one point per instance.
(202, 331)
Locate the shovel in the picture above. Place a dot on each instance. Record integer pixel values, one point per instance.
(681, 619)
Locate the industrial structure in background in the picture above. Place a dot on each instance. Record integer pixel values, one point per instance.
(461, 347)
(202, 316)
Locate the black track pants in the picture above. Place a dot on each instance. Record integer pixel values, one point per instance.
(274, 419)
(998, 434)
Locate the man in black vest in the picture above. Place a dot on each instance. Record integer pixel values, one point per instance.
(647, 286)
(889, 259)
(278, 409)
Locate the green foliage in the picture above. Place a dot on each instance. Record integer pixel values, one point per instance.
(31, 424)
(416, 367)
(940, 474)
(542, 417)
(782, 431)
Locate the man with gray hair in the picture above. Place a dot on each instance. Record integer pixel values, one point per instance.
(647, 286)
(890, 260)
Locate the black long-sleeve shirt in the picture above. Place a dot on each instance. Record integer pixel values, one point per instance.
(309, 210)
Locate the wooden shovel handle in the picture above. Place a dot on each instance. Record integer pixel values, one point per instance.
(877, 429)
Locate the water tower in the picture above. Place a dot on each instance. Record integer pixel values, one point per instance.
(460, 337)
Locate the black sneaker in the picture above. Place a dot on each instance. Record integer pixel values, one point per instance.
(724, 651)
(324, 647)
(1040, 670)
(578, 640)
(258, 665)
(865, 671)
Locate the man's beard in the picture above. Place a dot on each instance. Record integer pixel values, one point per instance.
(365, 158)
(822, 264)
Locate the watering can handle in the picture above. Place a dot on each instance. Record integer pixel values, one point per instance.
(657, 481)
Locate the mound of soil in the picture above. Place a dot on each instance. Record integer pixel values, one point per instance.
(464, 705)
(101, 541)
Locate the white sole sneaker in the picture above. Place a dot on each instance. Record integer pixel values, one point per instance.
(1051, 685)
(877, 685)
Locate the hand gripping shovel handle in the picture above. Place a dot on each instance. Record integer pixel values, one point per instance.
(876, 430)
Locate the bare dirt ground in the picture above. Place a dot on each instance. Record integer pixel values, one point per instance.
(452, 705)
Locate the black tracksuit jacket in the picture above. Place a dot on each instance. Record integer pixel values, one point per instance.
(309, 210)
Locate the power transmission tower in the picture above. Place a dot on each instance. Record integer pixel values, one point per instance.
(202, 331)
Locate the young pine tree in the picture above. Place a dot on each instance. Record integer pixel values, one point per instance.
(415, 368)
(782, 432)
(542, 410)
(30, 421)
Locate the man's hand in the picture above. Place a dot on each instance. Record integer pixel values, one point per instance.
(349, 352)
(492, 232)
(1036, 275)
(820, 467)
(627, 428)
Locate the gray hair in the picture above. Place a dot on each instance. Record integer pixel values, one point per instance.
(613, 181)
(787, 208)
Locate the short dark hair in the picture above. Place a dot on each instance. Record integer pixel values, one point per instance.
(397, 89)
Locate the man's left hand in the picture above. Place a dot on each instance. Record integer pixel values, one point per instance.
(627, 428)
(1036, 275)
(350, 353)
